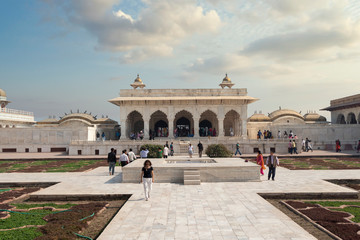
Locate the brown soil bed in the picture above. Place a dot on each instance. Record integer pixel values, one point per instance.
(334, 221)
(87, 218)
(53, 164)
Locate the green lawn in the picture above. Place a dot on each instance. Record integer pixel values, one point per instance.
(334, 203)
(354, 210)
(20, 234)
(67, 167)
(33, 217)
(27, 206)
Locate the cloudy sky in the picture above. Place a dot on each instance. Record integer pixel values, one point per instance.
(58, 55)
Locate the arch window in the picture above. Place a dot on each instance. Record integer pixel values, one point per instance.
(184, 124)
(159, 124)
(340, 119)
(134, 124)
(232, 124)
(208, 124)
(351, 119)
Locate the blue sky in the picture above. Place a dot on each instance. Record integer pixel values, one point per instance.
(61, 55)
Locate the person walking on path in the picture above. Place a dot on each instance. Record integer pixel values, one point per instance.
(294, 147)
(131, 155)
(260, 161)
(191, 150)
(112, 161)
(166, 151)
(147, 178)
(290, 147)
(144, 153)
(338, 145)
(237, 149)
(171, 149)
(272, 162)
(200, 148)
(124, 159)
(358, 147)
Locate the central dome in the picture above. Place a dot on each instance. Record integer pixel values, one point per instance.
(138, 79)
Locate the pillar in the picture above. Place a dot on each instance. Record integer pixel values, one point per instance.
(196, 127)
(171, 127)
(221, 127)
(146, 127)
(243, 128)
(123, 129)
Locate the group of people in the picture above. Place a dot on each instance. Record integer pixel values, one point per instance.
(266, 134)
(103, 136)
(272, 162)
(306, 145)
(125, 158)
(137, 135)
(206, 132)
(183, 131)
(292, 147)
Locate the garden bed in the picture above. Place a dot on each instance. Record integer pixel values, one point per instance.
(23, 219)
(50, 165)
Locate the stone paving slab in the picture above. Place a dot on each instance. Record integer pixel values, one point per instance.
(207, 211)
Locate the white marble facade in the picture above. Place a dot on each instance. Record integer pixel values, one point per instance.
(222, 109)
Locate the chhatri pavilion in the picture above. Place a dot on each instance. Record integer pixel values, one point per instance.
(183, 112)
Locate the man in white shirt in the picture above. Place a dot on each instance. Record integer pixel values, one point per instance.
(124, 159)
(131, 155)
(166, 151)
(144, 153)
(272, 162)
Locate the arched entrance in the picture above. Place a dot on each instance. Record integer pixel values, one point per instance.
(351, 119)
(208, 124)
(232, 124)
(340, 119)
(159, 124)
(134, 124)
(183, 124)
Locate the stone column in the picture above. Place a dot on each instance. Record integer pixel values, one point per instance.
(146, 127)
(221, 127)
(123, 129)
(196, 127)
(243, 129)
(171, 127)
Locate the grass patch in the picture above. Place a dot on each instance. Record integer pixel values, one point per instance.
(334, 203)
(33, 217)
(20, 234)
(320, 168)
(355, 211)
(5, 190)
(71, 166)
(16, 167)
(42, 162)
(27, 206)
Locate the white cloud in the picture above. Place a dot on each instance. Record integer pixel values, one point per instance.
(159, 27)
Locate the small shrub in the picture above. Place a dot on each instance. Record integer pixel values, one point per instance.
(218, 150)
(153, 150)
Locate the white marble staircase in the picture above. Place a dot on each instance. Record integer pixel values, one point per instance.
(192, 177)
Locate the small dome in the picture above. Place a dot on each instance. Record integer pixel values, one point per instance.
(284, 112)
(314, 117)
(138, 79)
(259, 117)
(79, 116)
(2, 93)
(226, 78)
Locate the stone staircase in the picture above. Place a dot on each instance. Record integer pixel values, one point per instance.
(192, 177)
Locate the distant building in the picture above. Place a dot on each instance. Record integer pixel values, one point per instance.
(12, 118)
(345, 110)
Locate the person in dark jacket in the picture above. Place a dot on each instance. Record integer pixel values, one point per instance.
(112, 161)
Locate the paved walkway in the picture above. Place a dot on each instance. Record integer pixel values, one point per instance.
(207, 211)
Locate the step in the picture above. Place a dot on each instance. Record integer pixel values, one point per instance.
(191, 172)
(191, 177)
(192, 182)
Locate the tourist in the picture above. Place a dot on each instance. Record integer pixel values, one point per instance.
(231, 132)
(200, 148)
(272, 162)
(338, 145)
(147, 178)
(167, 144)
(294, 148)
(131, 155)
(279, 134)
(103, 136)
(237, 149)
(111, 161)
(132, 136)
(166, 151)
(143, 153)
(214, 132)
(308, 145)
(290, 147)
(124, 159)
(97, 136)
(160, 153)
(259, 134)
(358, 147)
(285, 134)
(172, 149)
(117, 134)
(141, 135)
(260, 161)
(191, 150)
(303, 145)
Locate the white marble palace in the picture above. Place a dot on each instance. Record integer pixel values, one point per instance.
(183, 112)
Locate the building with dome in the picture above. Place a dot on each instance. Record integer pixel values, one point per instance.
(12, 118)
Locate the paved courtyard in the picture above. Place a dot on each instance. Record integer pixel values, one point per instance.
(206, 211)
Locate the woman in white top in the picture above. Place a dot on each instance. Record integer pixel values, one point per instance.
(191, 150)
(166, 151)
